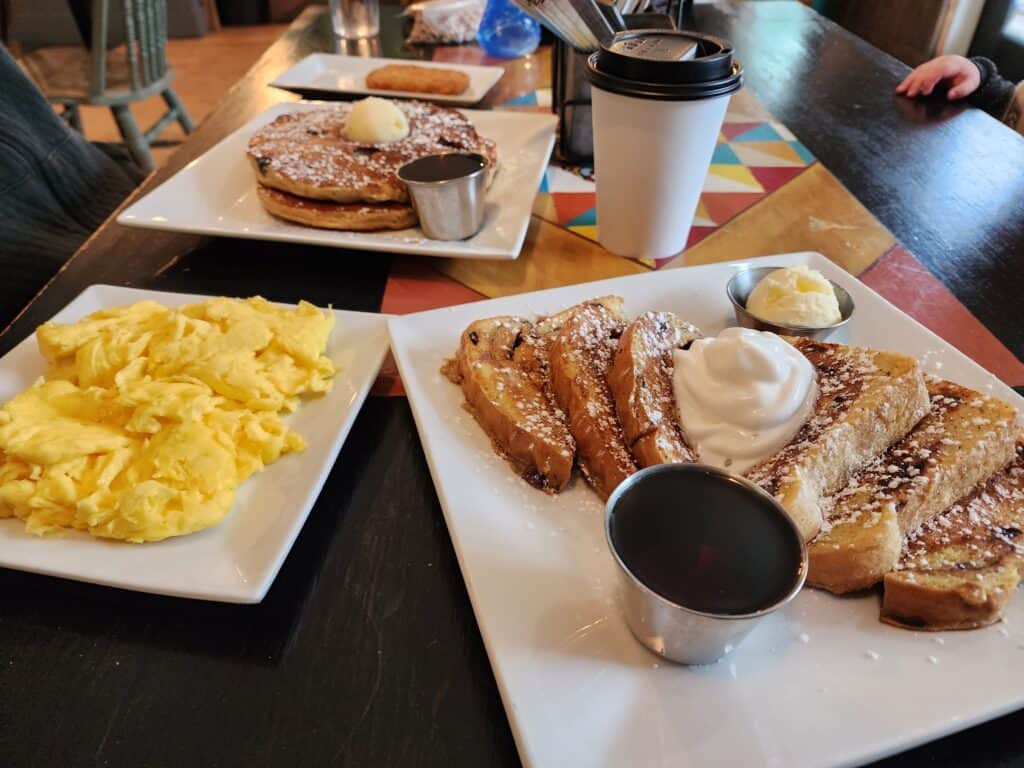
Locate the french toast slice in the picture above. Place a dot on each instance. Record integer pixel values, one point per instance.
(867, 400)
(504, 391)
(960, 569)
(502, 367)
(532, 354)
(641, 384)
(580, 356)
(964, 440)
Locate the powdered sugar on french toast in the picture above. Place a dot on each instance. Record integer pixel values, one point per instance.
(504, 398)
(581, 355)
(891, 476)
(977, 531)
(842, 372)
(541, 416)
(641, 385)
(589, 341)
(932, 454)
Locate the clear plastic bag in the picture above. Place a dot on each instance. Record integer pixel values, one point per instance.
(444, 21)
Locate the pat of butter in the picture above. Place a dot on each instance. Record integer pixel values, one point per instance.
(795, 296)
(376, 121)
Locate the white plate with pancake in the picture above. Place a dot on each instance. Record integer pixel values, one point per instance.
(821, 683)
(237, 560)
(215, 194)
(333, 73)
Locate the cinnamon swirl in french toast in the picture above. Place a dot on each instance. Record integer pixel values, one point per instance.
(502, 366)
(580, 358)
(641, 384)
(509, 402)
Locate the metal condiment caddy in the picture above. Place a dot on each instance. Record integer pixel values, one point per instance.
(570, 92)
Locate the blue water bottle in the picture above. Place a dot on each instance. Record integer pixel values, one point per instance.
(506, 32)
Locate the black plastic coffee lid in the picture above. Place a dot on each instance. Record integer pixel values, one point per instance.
(668, 65)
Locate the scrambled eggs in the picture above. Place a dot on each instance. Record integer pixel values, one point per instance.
(149, 418)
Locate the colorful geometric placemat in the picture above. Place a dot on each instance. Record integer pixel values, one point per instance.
(755, 156)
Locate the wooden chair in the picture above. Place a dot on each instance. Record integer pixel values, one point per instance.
(136, 70)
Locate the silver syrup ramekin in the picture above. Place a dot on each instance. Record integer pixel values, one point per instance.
(675, 632)
(450, 208)
(742, 283)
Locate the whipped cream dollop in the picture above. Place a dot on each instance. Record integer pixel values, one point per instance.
(742, 396)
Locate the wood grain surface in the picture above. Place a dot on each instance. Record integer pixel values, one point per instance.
(551, 257)
(812, 212)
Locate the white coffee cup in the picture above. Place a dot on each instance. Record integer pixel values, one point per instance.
(659, 99)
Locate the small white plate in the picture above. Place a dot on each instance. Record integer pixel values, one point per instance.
(820, 683)
(215, 194)
(333, 73)
(237, 560)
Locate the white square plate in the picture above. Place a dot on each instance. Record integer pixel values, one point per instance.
(215, 194)
(334, 73)
(237, 560)
(804, 689)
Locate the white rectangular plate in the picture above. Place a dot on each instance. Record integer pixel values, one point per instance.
(804, 689)
(215, 194)
(237, 560)
(333, 73)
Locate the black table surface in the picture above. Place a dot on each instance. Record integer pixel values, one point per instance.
(366, 651)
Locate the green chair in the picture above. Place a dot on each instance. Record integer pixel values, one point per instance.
(126, 73)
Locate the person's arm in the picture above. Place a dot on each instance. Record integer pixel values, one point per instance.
(1014, 116)
(977, 80)
(995, 94)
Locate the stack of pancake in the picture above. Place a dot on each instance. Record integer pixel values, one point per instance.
(308, 171)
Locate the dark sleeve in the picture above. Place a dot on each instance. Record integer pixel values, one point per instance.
(55, 189)
(994, 93)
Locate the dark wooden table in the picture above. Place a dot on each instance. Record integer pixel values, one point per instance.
(365, 651)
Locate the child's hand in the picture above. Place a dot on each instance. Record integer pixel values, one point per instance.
(961, 74)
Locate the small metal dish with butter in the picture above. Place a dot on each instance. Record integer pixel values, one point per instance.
(742, 283)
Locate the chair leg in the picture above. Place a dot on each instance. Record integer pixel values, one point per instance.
(74, 117)
(174, 103)
(133, 137)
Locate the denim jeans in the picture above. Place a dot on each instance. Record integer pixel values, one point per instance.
(55, 189)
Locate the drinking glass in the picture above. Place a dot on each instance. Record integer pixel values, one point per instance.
(367, 47)
(355, 19)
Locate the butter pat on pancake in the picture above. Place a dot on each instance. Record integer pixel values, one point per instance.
(149, 418)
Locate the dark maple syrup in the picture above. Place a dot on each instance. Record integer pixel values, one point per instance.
(706, 542)
(454, 165)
